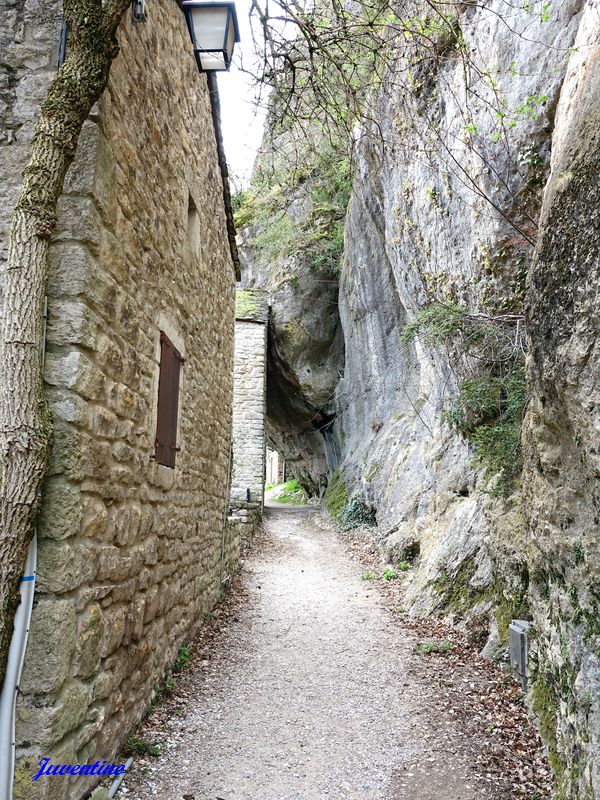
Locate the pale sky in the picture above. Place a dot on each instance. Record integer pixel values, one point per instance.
(242, 123)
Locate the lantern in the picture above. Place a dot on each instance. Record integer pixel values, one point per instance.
(214, 30)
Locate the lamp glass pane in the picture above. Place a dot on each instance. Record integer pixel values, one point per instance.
(230, 38)
(212, 61)
(209, 27)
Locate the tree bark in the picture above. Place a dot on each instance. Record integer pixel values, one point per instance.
(25, 421)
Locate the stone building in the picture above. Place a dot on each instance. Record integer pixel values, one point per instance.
(133, 545)
(249, 403)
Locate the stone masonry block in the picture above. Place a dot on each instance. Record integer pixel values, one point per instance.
(80, 175)
(61, 510)
(94, 518)
(70, 268)
(50, 646)
(71, 322)
(63, 566)
(90, 630)
(115, 619)
(78, 219)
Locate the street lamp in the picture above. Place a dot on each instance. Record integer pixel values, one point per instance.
(214, 30)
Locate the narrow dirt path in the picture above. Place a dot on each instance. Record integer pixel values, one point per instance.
(310, 693)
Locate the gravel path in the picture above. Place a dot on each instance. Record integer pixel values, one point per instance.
(311, 691)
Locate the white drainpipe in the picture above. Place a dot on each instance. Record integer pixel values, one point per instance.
(16, 655)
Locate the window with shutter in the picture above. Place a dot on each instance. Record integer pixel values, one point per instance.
(168, 402)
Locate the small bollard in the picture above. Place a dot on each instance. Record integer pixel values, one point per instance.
(519, 651)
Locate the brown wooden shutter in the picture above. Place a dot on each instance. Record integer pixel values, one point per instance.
(168, 402)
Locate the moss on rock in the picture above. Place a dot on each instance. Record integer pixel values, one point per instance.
(336, 496)
(545, 705)
(455, 591)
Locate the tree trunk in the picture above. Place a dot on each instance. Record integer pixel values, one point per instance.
(25, 421)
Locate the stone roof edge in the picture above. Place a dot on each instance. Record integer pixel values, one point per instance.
(215, 105)
(251, 305)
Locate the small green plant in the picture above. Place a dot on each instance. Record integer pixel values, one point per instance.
(442, 647)
(586, 701)
(530, 107)
(435, 323)
(183, 659)
(141, 747)
(578, 553)
(290, 493)
(403, 566)
(389, 574)
(170, 684)
(369, 575)
(372, 471)
(432, 195)
(497, 441)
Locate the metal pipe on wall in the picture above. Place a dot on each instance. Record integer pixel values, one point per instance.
(16, 656)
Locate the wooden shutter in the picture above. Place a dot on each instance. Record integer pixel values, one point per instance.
(168, 402)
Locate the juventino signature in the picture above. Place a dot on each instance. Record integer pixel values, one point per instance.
(97, 768)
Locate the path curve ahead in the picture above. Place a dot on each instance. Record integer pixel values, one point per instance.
(313, 692)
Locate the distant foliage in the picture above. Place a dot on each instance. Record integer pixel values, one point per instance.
(299, 212)
(328, 61)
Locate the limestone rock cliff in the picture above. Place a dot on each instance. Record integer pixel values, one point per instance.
(452, 220)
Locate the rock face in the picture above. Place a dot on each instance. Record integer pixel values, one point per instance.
(562, 474)
(440, 224)
(447, 206)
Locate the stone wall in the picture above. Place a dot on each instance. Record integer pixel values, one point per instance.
(242, 522)
(29, 38)
(249, 397)
(131, 553)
